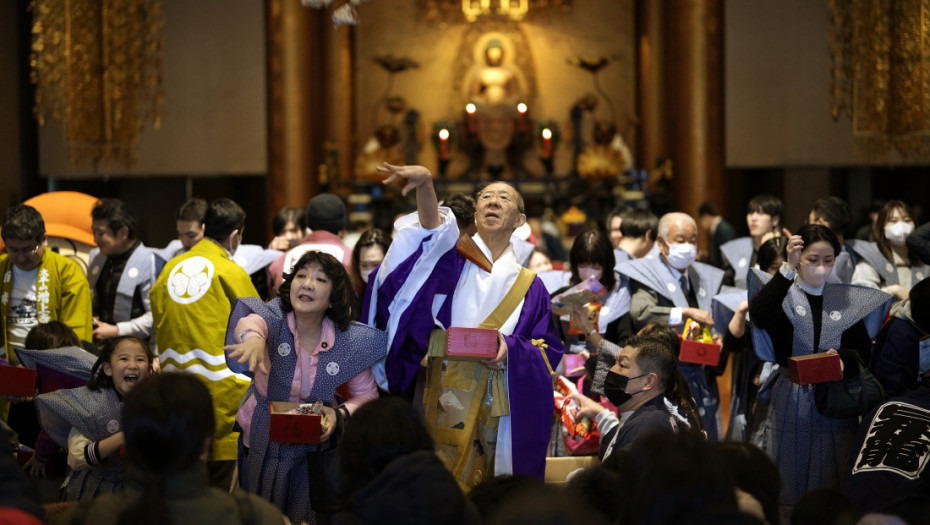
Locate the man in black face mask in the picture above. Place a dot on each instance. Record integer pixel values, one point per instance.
(648, 391)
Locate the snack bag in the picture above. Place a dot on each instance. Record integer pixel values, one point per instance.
(574, 426)
(694, 332)
(582, 293)
(594, 312)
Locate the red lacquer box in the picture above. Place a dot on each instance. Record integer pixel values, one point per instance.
(17, 381)
(699, 353)
(475, 344)
(814, 368)
(292, 428)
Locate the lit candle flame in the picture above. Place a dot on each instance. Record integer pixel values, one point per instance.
(443, 134)
(521, 107)
(470, 108)
(546, 133)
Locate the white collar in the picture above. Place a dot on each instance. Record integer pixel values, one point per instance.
(808, 288)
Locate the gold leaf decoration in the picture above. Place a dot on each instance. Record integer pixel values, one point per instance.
(881, 73)
(97, 67)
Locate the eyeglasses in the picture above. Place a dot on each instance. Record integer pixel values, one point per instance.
(22, 251)
(503, 196)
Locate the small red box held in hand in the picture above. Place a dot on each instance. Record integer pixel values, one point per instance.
(284, 427)
(17, 381)
(699, 353)
(814, 368)
(472, 344)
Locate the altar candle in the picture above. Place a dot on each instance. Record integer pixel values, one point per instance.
(470, 116)
(547, 143)
(444, 144)
(521, 116)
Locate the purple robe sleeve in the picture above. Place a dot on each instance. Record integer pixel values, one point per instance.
(531, 401)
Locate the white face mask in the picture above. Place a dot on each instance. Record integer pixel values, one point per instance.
(680, 256)
(586, 272)
(815, 276)
(897, 232)
(365, 275)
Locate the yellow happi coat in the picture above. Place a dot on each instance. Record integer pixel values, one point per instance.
(191, 302)
(62, 294)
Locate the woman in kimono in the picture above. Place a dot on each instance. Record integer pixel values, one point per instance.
(795, 314)
(299, 347)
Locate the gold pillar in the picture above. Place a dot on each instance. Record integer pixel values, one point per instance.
(348, 140)
(651, 103)
(695, 93)
(295, 64)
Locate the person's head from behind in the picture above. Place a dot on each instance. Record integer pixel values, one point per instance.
(463, 207)
(824, 507)
(288, 223)
(818, 254)
(123, 363)
(754, 473)
(189, 221)
(114, 226)
(381, 431)
(224, 222)
(368, 253)
(53, 334)
(678, 236)
(639, 229)
(674, 477)
(23, 234)
(772, 254)
(168, 423)
(499, 210)
(326, 212)
(319, 285)
(832, 212)
(592, 255)
(763, 215)
(893, 225)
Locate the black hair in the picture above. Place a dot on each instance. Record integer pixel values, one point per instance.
(835, 211)
(596, 488)
(878, 230)
(495, 493)
(813, 233)
(463, 207)
(116, 214)
(593, 247)
(342, 297)
(754, 472)
(381, 431)
(770, 251)
(620, 211)
(372, 237)
(708, 208)
(53, 334)
(824, 507)
(767, 204)
(223, 217)
(521, 206)
(192, 210)
(168, 422)
(658, 349)
(637, 222)
(686, 470)
(23, 222)
(98, 378)
(287, 215)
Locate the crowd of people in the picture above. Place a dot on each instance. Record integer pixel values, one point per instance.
(448, 362)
